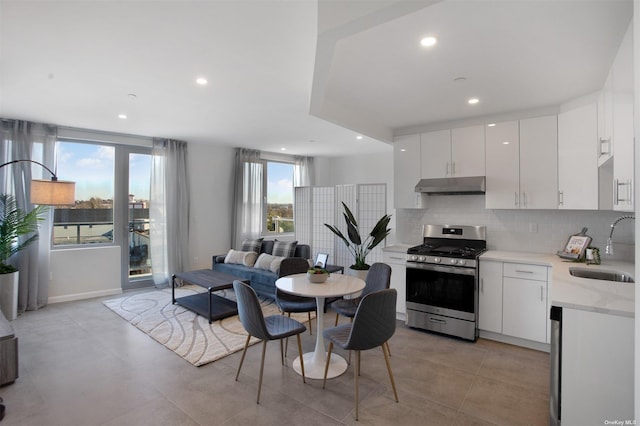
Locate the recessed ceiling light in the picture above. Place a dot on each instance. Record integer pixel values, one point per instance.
(428, 41)
(201, 81)
(473, 101)
(491, 125)
(505, 143)
(403, 150)
(122, 116)
(359, 137)
(283, 149)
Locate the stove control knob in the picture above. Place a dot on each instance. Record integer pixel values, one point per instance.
(412, 257)
(421, 259)
(436, 259)
(461, 262)
(453, 261)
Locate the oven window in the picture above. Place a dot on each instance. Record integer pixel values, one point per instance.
(441, 289)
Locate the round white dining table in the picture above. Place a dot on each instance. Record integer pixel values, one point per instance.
(336, 285)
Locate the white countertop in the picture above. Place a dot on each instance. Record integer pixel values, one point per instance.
(565, 290)
(398, 247)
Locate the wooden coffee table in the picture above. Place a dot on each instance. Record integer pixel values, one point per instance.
(208, 305)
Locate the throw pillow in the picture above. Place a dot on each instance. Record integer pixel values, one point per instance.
(264, 261)
(252, 245)
(246, 258)
(275, 264)
(284, 248)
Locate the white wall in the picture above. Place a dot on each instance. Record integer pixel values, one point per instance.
(96, 271)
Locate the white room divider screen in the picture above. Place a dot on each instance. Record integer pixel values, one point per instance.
(315, 206)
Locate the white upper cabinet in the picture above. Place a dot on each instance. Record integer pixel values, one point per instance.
(578, 158)
(467, 151)
(453, 153)
(539, 163)
(436, 154)
(406, 172)
(623, 154)
(605, 121)
(502, 165)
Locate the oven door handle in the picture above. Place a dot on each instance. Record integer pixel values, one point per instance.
(439, 268)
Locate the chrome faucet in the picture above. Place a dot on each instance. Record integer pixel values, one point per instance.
(609, 247)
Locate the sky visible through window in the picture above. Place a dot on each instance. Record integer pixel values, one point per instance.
(92, 168)
(280, 183)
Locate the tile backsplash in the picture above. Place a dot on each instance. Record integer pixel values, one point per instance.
(537, 231)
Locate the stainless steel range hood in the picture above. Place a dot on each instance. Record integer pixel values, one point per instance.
(454, 185)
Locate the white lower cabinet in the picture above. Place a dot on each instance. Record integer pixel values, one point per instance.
(513, 300)
(398, 279)
(490, 297)
(596, 368)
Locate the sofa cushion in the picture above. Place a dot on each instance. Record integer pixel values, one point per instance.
(267, 247)
(284, 248)
(246, 258)
(252, 245)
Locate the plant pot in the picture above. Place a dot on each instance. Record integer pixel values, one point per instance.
(317, 278)
(360, 273)
(9, 295)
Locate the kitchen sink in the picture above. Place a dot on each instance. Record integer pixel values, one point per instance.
(601, 274)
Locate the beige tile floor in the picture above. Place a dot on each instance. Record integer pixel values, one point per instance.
(80, 364)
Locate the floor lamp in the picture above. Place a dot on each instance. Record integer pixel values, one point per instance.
(52, 192)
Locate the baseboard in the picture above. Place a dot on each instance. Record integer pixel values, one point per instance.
(82, 296)
(538, 346)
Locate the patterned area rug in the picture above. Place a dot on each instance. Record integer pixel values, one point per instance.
(185, 333)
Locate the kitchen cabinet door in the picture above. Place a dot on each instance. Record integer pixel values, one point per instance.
(490, 296)
(524, 310)
(502, 166)
(539, 163)
(577, 158)
(605, 120)
(596, 367)
(406, 172)
(398, 279)
(436, 154)
(467, 151)
(623, 125)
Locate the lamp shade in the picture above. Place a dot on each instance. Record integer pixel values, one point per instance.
(53, 192)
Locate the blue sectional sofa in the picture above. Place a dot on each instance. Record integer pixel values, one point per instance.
(263, 281)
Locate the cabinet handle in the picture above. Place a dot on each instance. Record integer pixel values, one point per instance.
(560, 198)
(515, 198)
(523, 271)
(446, 173)
(605, 146)
(399, 258)
(630, 192)
(524, 199)
(453, 168)
(481, 285)
(542, 293)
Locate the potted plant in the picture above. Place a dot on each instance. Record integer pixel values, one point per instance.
(317, 274)
(17, 232)
(358, 247)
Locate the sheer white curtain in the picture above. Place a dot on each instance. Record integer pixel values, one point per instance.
(169, 209)
(22, 140)
(247, 205)
(303, 171)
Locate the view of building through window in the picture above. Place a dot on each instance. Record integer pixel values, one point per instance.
(279, 208)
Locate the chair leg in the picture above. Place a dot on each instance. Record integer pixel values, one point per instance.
(326, 366)
(301, 358)
(264, 350)
(386, 359)
(337, 316)
(281, 351)
(309, 314)
(356, 373)
(246, 345)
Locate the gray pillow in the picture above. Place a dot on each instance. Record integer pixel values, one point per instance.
(284, 248)
(252, 245)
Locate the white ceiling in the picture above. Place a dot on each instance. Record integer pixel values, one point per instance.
(74, 63)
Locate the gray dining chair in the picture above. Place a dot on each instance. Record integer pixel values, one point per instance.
(273, 327)
(378, 278)
(373, 325)
(290, 303)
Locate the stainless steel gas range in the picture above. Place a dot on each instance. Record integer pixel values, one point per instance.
(442, 280)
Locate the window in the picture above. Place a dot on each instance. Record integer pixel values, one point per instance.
(279, 199)
(90, 220)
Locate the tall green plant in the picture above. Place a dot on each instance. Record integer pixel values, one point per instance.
(17, 229)
(358, 247)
